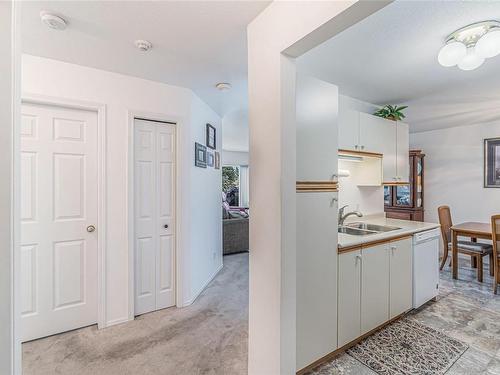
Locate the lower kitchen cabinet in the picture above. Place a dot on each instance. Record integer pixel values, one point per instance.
(401, 277)
(349, 297)
(374, 287)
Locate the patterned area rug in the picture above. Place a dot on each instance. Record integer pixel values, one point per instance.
(407, 347)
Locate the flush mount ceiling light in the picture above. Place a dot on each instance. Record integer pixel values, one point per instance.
(223, 86)
(52, 20)
(143, 45)
(469, 46)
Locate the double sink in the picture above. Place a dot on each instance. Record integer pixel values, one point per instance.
(363, 229)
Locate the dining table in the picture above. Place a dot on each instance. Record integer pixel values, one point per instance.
(471, 229)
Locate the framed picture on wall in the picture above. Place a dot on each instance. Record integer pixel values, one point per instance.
(210, 159)
(211, 137)
(492, 163)
(217, 160)
(200, 155)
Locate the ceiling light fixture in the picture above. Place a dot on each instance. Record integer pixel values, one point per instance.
(143, 45)
(223, 86)
(52, 20)
(469, 46)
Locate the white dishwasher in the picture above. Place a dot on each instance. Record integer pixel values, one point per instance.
(425, 266)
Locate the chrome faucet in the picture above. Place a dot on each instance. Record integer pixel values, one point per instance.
(343, 216)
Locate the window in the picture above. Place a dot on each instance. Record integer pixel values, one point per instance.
(231, 184)
(235, 184)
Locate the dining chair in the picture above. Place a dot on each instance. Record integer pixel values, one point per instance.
(495, 231)
(476, 250)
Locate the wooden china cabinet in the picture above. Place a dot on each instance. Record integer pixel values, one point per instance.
(407, 201)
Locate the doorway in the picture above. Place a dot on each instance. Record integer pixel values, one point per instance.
(59, 219)
(154, 215)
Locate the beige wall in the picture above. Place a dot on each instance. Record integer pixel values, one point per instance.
(6, 129)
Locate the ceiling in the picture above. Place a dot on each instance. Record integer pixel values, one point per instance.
(391, 57)
(196, 44)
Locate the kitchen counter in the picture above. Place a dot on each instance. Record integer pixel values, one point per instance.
(407, 228)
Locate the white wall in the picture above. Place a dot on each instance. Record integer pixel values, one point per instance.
(205, 213)
(368, 200)
(235, 131)
(234, 157)
(6, 128)
(121, 94)
(453, 172)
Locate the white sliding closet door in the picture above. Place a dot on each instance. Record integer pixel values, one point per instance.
(154, 192)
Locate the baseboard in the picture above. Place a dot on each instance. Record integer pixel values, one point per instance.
(197, 294)
(114, 322)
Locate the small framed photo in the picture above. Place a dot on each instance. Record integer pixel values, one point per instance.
(210, 159)
(211, 137)
(492, 163)
(200, 155)
(217, 160)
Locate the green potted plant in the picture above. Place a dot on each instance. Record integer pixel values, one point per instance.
(391, 112)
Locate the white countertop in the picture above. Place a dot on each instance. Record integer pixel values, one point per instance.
(407, 227)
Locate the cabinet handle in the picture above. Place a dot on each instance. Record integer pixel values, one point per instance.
(335, 177)
(362, 147)
(333, 201)
(393, 248)
(359, 257)
(356, 147)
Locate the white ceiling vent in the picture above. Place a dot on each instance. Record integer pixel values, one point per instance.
(52, 20)
(143, 45)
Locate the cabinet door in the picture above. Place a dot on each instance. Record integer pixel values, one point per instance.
(374, 287)
(348, 129)
(403, 150)
(377, 134)
(349, 297)
(400, 276)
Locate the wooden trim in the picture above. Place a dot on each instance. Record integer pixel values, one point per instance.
(360, 153)
(394, 183)
(347, 249)
(349, 345)
(316, 186)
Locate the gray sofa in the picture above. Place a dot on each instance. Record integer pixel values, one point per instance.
(235, 235)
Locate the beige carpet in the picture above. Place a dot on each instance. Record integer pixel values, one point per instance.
(208, 337)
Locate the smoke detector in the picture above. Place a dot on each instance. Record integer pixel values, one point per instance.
(223, 86)
(143, 45)
(52, 20)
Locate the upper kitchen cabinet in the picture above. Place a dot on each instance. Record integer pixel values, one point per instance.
(365, 133)
(376, 134)
(348, 129)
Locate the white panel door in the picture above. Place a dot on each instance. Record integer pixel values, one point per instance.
(374, 287)
(58, 204)
(154, 215)
(349, 297)
(401, 277)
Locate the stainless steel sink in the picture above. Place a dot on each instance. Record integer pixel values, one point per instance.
(371, 227)
(355, 231)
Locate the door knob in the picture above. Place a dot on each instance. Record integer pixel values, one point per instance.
(165, 226)
(91, 228)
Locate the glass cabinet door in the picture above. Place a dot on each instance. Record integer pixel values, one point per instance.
(419, 182)
(403, 196)
(387, 195)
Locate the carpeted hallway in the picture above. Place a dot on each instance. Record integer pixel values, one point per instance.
(208, 337)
